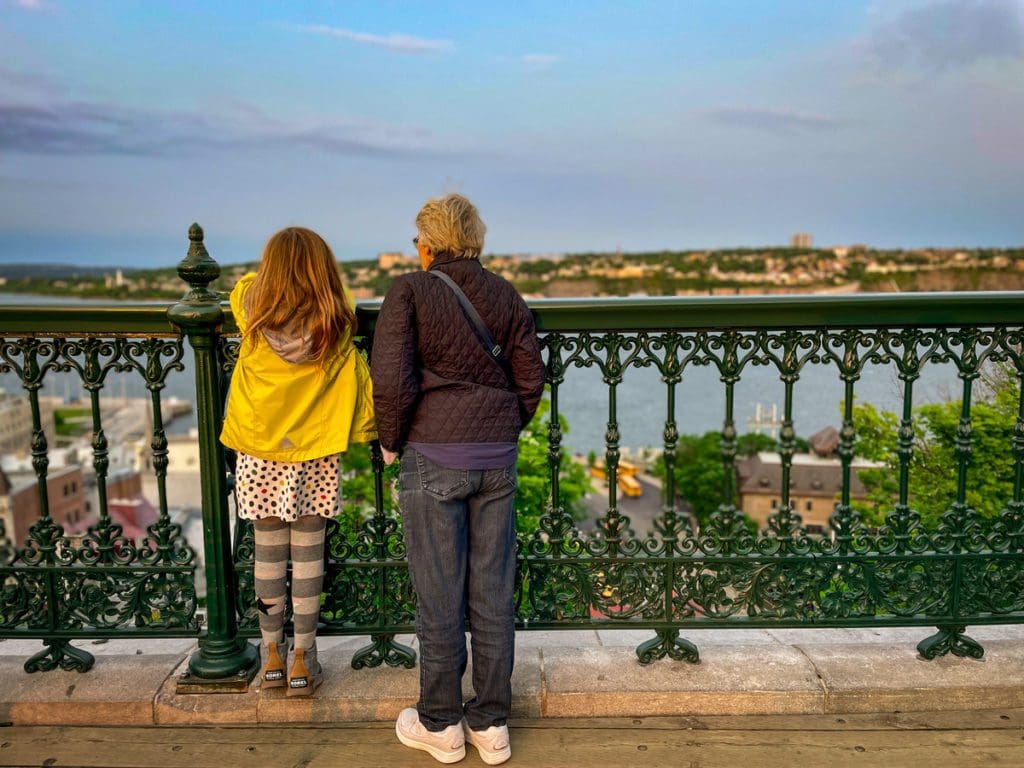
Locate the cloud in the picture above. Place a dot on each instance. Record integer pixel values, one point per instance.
(397, 42)
(31, 83)
(947, 34)
(80, 128)
(69, 129)
(773, 120)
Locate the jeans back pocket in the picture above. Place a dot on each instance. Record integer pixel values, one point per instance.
(440, 481)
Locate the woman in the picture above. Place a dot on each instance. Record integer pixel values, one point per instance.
(454, 410)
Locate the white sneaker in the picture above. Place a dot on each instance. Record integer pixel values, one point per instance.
(447, 746)
(492, 744)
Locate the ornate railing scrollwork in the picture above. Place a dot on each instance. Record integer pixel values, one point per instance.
(59, 583)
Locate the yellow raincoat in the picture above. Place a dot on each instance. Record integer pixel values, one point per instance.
(285, 411)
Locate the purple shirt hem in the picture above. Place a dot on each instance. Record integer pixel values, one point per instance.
(469, 455)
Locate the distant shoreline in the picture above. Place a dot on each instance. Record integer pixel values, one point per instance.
(34, 299)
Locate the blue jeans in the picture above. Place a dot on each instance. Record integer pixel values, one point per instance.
(460, 535)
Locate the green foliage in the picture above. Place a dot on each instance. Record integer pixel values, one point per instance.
(357, 489)
(876, 441)
(700, 471)
(533, 495)
(537, 267)
(933, 469)
(72, 422)
(672, 271)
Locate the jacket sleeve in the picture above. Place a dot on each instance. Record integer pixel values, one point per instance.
(237, 300)
(526, 363)
(393, 366)
(364, 426)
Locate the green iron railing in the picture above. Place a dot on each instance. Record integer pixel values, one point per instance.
(965, 571)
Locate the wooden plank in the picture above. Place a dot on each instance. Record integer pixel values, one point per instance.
(975, 719)
(539, 744)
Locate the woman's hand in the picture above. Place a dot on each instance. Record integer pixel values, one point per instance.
(389, 456)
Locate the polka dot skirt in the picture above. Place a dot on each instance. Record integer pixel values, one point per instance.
(287, 489)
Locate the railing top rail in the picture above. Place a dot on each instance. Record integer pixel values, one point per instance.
(115, 318)
(744, 312)
(754, 312)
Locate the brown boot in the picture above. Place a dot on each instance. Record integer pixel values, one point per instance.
(273, 674)
(306, 673)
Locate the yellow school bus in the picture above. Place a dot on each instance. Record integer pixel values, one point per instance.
(630, 486)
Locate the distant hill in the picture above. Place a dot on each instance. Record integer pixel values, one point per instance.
(54, 271)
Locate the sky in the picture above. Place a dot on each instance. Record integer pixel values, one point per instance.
(574, 126)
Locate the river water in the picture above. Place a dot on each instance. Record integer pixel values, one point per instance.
(641, 398)
(641, 401)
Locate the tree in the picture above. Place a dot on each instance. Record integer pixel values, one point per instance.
(357, 487)
(700, 472)
(533, 496)
(933, 467)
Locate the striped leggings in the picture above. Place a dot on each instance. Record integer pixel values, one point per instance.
(303, 539)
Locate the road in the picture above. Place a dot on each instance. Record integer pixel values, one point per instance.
(641, 511)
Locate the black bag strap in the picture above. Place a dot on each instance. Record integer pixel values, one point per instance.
(492, 347)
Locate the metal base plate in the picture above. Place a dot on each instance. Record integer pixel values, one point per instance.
(189, 683)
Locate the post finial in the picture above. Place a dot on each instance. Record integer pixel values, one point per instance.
(200, 307)
(198, 269)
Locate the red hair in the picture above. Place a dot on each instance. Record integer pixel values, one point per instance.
(299, 287)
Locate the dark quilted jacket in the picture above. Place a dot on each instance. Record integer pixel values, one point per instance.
(433, 381)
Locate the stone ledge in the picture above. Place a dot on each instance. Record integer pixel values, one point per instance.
(117, 691)
(886, 678)
(730, 679)
(557, 674)
(202, 709)
(382, 692)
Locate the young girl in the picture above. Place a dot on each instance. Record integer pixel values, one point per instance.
(300, 393)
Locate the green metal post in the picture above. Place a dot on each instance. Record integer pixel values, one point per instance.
(224, 662)
(6, 547)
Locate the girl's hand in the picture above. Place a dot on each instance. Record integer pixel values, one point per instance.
(389, 456)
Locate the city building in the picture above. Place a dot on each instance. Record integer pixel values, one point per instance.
(6, 514)
(395, 260)
(74, 504)
(802, 240)
(815, 482)
(16, 422)
(65, 494)
(127, 506)
(182, 486)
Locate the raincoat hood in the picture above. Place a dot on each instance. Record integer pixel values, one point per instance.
(288, 343)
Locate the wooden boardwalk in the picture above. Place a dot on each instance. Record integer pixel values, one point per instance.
(925, 740)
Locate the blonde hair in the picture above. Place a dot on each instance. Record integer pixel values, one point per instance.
(298, 287)
(452, 225)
